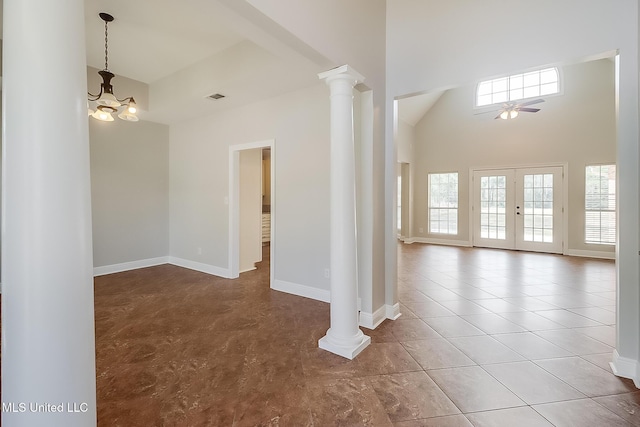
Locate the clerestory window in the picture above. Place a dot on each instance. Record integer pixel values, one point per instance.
(518, 86)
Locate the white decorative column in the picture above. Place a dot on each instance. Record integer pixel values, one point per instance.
(48, 341)
(344, 337)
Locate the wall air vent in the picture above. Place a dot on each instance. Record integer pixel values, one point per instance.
(215, 96)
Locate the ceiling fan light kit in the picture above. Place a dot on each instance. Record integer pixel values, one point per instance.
(508, 114)
(511, 111)
(107, 103)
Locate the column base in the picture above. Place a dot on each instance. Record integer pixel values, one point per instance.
(347, 351)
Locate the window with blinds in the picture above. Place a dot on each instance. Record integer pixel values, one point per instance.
(443, 203)
(600, 204)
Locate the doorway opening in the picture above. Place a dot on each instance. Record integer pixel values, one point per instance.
(251, 208)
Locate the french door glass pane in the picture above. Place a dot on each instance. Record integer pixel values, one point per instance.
(538, 208)
(493, 200)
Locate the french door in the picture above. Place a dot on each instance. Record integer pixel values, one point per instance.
(518, 209)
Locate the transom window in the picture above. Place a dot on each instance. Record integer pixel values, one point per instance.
(443, 203)
(518, 86)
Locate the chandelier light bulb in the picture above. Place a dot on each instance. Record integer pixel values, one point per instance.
(132, 108)
(504, 115)
(127, 116)
(513, 114)
(103, 116)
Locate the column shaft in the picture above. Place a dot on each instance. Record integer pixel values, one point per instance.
(344, 336)
(48, 341)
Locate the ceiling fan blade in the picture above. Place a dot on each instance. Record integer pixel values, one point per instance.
(535, 101)
(498, 116)
(529, 110)
(485, 112)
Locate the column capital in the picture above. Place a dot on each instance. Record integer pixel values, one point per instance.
(342, 72)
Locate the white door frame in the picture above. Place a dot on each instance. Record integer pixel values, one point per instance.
(234, 206)
(565, 196)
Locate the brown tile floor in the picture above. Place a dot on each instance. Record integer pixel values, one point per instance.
(487, 338)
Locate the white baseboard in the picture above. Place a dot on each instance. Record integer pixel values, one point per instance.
(393, 311)
(131, 265)
(279, 285)
(433, 241)
(301, 290)
(591, 254)
(625, 368)
(198, 266)
(248, 269)
(372, 320)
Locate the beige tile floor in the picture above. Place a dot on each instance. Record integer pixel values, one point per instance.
(487, 338)
(538, 331)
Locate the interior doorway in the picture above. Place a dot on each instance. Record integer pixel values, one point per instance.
(519, 208)
(251, 207)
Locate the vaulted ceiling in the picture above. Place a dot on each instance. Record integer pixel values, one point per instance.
(181, 52)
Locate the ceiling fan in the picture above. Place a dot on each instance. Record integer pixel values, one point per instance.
(510, 110)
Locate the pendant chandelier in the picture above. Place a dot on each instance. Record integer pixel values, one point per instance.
(106, 100)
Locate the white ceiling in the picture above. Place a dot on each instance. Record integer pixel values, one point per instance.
(151, 40)
(189, 49)
(185, 50)
(165, 43)
(413, 108)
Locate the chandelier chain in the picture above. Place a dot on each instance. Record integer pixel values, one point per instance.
(106, 45)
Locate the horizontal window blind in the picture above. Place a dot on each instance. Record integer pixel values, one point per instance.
(443, 203)
(600, 204)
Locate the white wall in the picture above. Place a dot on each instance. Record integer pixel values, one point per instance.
(577, 127)
(129, 191)
(129, 183)
(199, 170)
(353, 32)
(250, 208)
(404, 141)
